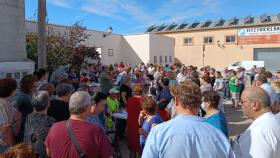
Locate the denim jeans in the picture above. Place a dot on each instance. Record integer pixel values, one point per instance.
(226, 91)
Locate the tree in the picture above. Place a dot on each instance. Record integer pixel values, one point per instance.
(63, 47)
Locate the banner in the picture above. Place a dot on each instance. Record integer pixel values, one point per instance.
(259, 35)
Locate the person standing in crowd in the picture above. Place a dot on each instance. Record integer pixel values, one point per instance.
(105, 80)
(49, 88)
(58, 142)
(151, 72)
(181, 77)
(147, 119)
(59, 108)
(219, 86)
(163, 98)
(38, 123)
(234, 89)
(212, 76)
(124, 72)
(241, 79)
(206, 84)
(125, 90)
(42, 77)
(28, 86)
(157, 73)
(253, 73)
(260, 71)
(261, 139)
(133, 110)
(187, 135)
(99, 101)
(214, 115)
(9, 117)
(261, 81)
(226, 77)
(74, 77)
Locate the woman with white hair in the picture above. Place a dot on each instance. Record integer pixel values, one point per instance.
(38, 123)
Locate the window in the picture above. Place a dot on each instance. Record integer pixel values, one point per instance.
(155, 59)
(17, 75)
(160, 59)
(170, 59)
(208, 40)
(165, 59)
(188, 41)
(9, 75)
(230, 39)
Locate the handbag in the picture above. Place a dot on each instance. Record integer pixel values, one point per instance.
(80, 152)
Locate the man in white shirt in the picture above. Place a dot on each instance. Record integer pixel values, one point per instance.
(261, 139)
(181, 77)
(261, 81)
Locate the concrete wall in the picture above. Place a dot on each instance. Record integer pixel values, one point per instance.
(161, 46)
(112, 41)
(214, 55)
(130, 49)
(12, 41)
(135, 49)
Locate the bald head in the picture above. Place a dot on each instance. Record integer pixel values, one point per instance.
(257, 94)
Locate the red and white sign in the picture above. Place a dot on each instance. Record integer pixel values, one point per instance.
(259, 35)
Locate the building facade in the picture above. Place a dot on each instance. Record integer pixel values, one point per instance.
(129, 49)
(223, 42)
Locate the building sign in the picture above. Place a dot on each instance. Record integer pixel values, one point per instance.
(259, 35)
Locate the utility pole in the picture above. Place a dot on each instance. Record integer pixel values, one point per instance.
(42, 39)
(203, 54)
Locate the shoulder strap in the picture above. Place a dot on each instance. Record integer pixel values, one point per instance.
(74, 141)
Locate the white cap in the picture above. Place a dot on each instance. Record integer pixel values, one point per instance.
(114, 91)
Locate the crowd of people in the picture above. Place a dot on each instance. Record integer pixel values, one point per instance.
(172, 111)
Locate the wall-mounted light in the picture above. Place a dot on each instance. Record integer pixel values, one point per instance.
(220, 45)
(109, 32)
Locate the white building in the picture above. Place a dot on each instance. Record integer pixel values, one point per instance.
(130, 49)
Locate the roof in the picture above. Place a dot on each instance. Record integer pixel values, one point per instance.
(233, 22)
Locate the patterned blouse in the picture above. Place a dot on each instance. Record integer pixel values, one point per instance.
(37, 127)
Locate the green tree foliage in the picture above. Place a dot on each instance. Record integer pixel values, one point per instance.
(63, 47)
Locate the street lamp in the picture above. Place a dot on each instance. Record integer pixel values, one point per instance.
(109, 32)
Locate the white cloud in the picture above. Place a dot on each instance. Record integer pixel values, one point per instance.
(61, 3)
(167, 11)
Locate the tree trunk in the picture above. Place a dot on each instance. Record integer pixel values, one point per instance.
(42, 52)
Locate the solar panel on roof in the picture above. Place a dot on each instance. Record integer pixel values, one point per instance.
(248, 20)
(151, 28)
(265, 18)
(206, 24)
(172, 26)
(160, 28)
(182, 26)
(194, 25)
(220, 23)
(233, 21)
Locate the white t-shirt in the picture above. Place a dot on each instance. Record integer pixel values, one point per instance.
(271, 92)
(151, 70)
(261, 139)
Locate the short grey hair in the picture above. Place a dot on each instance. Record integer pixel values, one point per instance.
(260, 96)
(40, 100)
(64, 89)
(79, 102)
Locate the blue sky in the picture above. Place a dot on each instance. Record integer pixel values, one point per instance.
(134, 16)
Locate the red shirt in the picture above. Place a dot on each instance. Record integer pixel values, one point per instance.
(91, 138)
